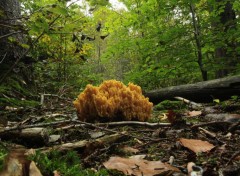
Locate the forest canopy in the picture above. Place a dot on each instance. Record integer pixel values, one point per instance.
(61, 46)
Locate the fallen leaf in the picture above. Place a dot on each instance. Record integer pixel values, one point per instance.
(194, 170)
(193, 113)
(237, 158)
(138, 156)
(33, 170)
(30, 152)
(139, 167)
(128, 149)
(171, 116)
(14, 167)
(163, 116)
(56, 173)
(196, 146)
(97, 134)
(15, 163)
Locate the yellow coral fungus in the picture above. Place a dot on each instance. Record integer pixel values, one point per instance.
(113, 101)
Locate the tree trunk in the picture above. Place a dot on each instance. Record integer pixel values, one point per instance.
(201, 92)
(227, 21)
(10, 34)
(198, 42)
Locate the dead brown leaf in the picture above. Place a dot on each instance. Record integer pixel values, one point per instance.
(196, 146)
(33, 170)
(56, 173)
(128, 149)
(14, 168)
(193, 113)
(15, 163)
(171, 116)
(139, 167)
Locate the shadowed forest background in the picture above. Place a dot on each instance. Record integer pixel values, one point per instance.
(60, 46)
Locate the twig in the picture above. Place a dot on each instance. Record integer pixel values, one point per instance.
(234, 127)
(193, 104)
(211, 134)
(146, 124)
(19, 127)
(113, 131)
(42, 97)
(211, 123)
(234, 156)
(136, 123)
(9, 34)
(83, 124)
(3, 58)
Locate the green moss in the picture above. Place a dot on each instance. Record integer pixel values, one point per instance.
(3, 153)
(67, 164)
(17, 102)
(167, 104)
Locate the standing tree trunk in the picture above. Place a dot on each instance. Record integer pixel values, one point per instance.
(10, 34)
(226, 22)
(198, 42)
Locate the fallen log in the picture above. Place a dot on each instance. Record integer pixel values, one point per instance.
(81, 144)
(204, 91)
(31, 136)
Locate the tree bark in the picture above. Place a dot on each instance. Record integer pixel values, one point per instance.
(10, 49)
(200, 92)
(31, 136)
(227, 21)
(198, 42)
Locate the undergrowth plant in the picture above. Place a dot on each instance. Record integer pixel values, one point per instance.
(67, 164)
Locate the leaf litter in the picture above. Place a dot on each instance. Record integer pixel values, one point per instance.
(195, 142)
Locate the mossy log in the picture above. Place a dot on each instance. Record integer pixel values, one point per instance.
(204, 91)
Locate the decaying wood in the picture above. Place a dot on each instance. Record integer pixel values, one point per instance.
(80, 144)
(122, 123)
(190, 103)
(76, 123)
(35, 133)
(32, 135)
(200, 92)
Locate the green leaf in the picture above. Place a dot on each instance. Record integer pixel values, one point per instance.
(59, 10)
(25, 46)
(216, 101)
(41, 24)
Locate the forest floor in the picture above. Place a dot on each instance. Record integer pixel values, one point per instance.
(181, 141)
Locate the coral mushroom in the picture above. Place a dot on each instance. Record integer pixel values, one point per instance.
(112, 101)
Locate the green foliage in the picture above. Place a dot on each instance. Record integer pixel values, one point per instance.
(56, 29)
(98, 2)
(152, 43)
(17, 102)
(235, 97)
(67, 164)
(3, 154)
(16, 94)
(156, 38)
